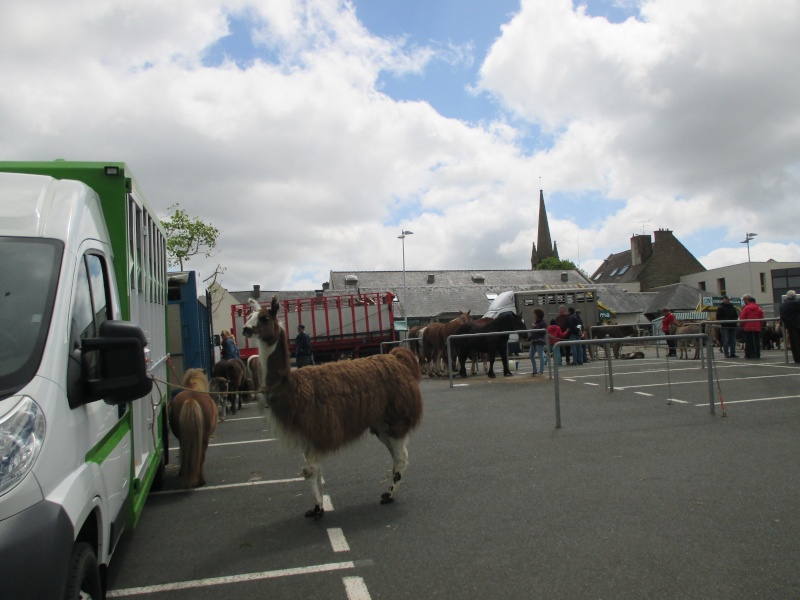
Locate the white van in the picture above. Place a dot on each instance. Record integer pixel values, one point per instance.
(81, 424)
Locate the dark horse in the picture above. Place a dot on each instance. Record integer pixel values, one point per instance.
(234, 372)
(193, 418)
(490, 344)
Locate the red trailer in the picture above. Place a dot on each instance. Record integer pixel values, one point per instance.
(339, 326)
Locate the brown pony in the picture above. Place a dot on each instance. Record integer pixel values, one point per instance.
(193, 418)
(321, 409)
(235, 372)
(433, 343)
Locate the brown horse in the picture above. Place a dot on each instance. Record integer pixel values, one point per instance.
(193, 418)
(433, 343)
(326, 407)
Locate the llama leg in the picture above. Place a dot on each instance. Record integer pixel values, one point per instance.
(312, 471)
(399, 451)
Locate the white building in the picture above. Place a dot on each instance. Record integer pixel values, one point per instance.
(765, 281)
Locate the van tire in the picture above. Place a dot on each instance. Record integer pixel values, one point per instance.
(83, 577)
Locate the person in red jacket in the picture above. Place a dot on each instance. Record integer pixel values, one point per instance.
(555, 334)
(669, 319)
(751, 330)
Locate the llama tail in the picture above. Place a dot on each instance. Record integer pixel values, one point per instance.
(407, 357)
(191, 426)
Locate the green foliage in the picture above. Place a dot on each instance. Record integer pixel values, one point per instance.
(551, 263)
(187, 236)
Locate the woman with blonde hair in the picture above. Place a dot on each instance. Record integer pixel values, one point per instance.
(228, 348)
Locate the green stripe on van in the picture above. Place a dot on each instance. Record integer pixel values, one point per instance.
(110, 440)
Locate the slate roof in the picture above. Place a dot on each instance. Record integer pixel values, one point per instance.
(616, 263)
(621, 301)
(441, 293)
(453, 291)
(676, 297)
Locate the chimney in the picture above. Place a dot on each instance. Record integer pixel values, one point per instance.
(431, 277)
(641, 249)
(256, 291)
(326, 286)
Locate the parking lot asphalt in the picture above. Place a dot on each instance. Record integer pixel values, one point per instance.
(641, 493)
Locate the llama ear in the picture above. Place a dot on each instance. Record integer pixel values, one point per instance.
(254, 304)
(274, 307)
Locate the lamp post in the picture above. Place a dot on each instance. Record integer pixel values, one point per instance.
(748, 237)
(402, 237)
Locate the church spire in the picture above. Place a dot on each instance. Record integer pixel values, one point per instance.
(546, 246)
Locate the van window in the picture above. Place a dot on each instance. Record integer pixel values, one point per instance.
(29, 271)
(91, 305)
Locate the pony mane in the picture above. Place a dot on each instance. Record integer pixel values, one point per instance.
(195, 379)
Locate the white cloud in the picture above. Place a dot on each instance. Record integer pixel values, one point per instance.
(684, 117)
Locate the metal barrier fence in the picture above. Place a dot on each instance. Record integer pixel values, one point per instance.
(604, 342)
(701, 336)
(406, 341)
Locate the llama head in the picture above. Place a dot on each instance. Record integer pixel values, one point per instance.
(263, 323)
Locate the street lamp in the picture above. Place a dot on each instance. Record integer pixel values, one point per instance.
(402, 237)
(748, 237)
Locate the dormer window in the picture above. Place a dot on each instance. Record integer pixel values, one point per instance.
(478, 278)
(351, 279)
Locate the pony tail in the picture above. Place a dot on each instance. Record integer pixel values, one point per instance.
(191, 419)
(411, 362)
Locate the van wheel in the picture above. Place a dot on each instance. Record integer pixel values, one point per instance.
(83, 577)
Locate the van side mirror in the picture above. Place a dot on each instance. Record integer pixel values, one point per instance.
(120, 374)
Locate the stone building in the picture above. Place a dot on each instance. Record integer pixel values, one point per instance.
(649, 263)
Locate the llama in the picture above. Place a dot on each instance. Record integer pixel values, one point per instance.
(321, 409)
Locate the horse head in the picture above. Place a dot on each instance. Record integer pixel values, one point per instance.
(511, 321)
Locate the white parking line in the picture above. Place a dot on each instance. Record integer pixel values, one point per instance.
(755, 400)
(209, 488)
(338, 541)
(644, 394)
(327, 505)
(356, 588)
(199, 583)
(589, 383)
(683, 401)
(244, 442)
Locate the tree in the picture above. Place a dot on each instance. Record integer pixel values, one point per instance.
(551, 263)
(187, 236)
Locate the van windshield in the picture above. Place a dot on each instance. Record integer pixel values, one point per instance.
(29, 269)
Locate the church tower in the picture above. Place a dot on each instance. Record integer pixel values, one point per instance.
(546, 246)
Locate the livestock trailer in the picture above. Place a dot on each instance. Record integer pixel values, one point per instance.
(345, 326)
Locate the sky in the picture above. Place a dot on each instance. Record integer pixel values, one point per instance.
(311, 133)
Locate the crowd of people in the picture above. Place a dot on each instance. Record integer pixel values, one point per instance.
(567, 325)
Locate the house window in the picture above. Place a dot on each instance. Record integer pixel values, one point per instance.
(614, 272)
(763, 280)
(702, 285)
(721, 286)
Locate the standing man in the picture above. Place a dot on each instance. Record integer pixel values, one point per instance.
(562, 320)
(669, 320)
(790, 319)
(576, 333)
(727, 312)
(302, 347)
(751, 330)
